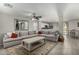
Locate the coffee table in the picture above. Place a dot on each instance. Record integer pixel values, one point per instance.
(32, 43)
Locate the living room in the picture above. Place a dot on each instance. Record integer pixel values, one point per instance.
(39, 29)
(18, 24)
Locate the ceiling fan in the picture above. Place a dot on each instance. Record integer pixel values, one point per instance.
(36, 17)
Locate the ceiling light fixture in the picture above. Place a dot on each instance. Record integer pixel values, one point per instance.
(8, 5)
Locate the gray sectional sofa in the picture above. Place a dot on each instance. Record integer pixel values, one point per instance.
(49, 35)
(7, 42)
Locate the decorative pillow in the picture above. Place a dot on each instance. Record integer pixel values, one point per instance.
(17, 32)
(56, 33)
(14, 35)
(39, 32)
(6, 36)
(9, 34)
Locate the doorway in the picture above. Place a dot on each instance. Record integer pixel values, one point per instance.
(65, 28)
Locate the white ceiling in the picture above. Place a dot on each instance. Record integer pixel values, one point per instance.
(71, 12)
(49, 11)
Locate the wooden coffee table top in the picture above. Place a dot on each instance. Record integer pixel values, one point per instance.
(33, 39)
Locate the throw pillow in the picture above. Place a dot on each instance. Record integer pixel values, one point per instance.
(14, 35)
(39, 32)
(9, 34)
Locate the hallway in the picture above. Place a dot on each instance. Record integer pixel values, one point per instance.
(69, 47)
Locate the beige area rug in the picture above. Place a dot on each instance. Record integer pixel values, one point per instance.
(42, 50)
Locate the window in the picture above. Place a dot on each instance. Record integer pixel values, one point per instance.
(21, 25)
(26, 25)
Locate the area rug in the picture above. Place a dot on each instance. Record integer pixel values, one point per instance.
(42, 50)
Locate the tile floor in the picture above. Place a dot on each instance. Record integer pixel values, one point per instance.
(69, 47)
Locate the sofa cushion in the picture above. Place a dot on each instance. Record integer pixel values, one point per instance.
(12, 39)
(29, 36)
(47, 35)
(32, 32)
(51, 32)
(44, 32)
(8, 34)
(23, 33)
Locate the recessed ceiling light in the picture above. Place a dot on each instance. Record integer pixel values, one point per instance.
(8, 5)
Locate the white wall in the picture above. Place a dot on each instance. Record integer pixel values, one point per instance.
(7, 22)
(73, 24)
(55, 26)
